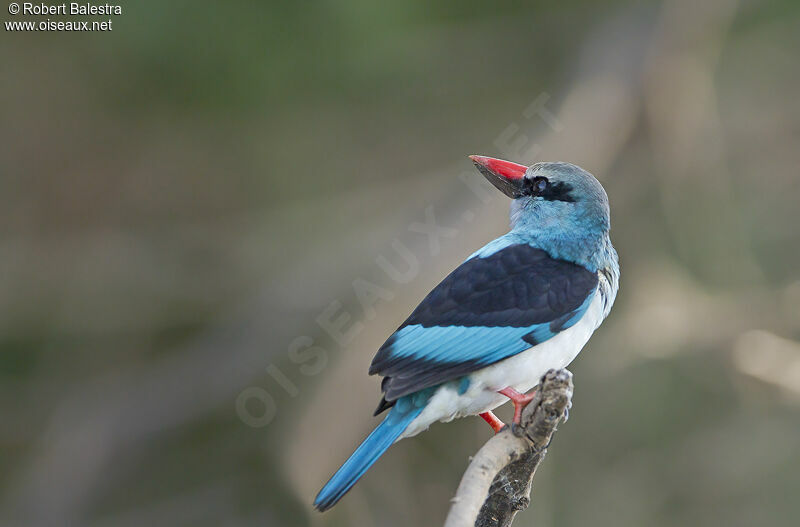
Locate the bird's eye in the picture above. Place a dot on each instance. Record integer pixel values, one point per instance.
(539, 185)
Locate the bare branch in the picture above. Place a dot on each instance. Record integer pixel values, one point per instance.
(498, 481)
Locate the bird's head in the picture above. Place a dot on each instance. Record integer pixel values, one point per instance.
(557, 201)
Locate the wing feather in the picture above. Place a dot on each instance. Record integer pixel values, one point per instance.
(488, 309)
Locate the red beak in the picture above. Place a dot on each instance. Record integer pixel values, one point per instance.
(505, 175)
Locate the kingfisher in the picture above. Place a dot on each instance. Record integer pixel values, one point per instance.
(524, 303)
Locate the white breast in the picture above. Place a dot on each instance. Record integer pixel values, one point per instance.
(522, 372)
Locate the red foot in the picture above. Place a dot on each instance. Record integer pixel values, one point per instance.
(493, 421)
(519, 400)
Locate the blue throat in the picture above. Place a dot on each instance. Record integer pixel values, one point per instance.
(554, 227)
(592, 252)
(584, 242)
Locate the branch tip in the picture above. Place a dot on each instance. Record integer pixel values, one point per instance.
(497, 483)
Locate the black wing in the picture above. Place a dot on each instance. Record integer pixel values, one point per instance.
(486, 310)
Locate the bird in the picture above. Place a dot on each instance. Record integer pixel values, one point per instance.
(523, 304)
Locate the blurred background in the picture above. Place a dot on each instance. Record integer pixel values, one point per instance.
(214, 214)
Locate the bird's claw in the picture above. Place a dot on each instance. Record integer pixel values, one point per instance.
(517, 429)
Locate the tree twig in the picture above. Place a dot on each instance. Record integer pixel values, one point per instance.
(497, 483)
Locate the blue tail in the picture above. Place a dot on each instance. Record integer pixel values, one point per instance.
(366, 454)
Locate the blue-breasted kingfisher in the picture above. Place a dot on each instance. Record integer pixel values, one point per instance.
(525, 303)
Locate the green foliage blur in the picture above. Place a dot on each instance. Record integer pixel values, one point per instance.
(188, 201)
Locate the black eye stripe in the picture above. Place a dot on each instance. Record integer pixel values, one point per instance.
(536, 186)
(545, 189)
(558, 192)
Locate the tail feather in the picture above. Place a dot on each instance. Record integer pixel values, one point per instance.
(365, 455)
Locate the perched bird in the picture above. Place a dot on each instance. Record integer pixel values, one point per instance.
(526, 302)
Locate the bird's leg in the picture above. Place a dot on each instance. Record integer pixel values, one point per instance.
(519, 400)
(493, 421)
